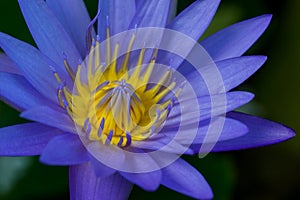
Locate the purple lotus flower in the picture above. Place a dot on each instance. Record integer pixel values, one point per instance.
(118, 108)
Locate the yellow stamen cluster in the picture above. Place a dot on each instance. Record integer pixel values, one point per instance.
(115, 104)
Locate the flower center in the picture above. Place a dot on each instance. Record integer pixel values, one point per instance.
(118, 102)
(119, 105)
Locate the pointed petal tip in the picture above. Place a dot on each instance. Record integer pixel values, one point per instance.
(287, 133)
(267, 17)
(245, 97)
(235, 40)
(262, 58)
(262, 133)
(263, 19)
(200, 194)
(290, 133)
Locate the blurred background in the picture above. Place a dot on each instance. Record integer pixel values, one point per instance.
(265, 173)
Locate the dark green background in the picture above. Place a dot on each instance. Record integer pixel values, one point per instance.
(264, 173)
